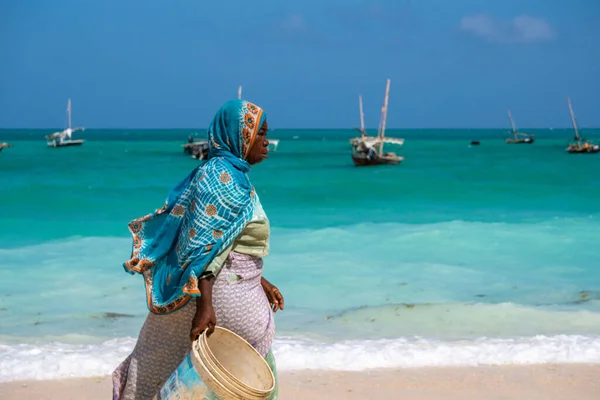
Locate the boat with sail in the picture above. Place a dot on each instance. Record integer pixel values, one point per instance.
(64, 138)
(579, 144)
(518, 137)
(370, 150)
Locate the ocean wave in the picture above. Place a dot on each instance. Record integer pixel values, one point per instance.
(448, 321)
(55, 360)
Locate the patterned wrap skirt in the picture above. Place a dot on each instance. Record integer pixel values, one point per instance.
(240, 305)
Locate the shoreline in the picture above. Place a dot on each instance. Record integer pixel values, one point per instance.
(518, 382)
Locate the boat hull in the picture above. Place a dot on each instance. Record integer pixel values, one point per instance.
(66, 143)
(361, 160)
(520, 141)
(195, 147)
(198, 150)
(589, 150)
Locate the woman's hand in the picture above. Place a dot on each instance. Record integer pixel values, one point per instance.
(273, 294)
(204, 318)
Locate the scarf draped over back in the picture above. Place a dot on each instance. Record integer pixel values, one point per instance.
(202, 214)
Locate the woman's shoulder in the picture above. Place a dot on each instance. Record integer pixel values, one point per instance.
(219, 176)
(217, 169)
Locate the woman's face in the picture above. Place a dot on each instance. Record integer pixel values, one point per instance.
(259, 150)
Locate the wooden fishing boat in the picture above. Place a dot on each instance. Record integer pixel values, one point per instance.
(64, 138)
(369, 151)
(198, 149)
(579, 144)
(519, 137)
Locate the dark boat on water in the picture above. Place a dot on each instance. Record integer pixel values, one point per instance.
(579, 145)
(196, 149)
(367, 151)
(519, 137)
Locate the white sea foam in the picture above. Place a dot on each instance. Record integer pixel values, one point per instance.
(55, 360)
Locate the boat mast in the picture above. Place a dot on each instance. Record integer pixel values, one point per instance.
(69, 114)
(512, 124)
(362, 116)
(240, 92)
(573, 120)
(384, 116)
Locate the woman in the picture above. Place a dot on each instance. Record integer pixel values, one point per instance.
(201, 257)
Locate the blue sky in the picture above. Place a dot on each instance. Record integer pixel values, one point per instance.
(171, 63)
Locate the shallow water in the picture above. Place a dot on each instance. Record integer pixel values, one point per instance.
(460, 255)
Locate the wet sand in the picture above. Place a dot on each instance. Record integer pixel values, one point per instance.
(536, 382)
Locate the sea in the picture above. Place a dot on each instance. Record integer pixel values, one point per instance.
(462, 255)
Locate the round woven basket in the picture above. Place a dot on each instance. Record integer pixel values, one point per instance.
(235, 367)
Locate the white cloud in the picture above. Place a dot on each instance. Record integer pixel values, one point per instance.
(531, 29)
(520, 29)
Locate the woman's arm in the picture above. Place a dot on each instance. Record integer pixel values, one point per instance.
(205, 318)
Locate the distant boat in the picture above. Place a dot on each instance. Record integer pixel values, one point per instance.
(475, 142)
(273, 143)
(579, 144)
(197, 149)
(63, 138)
(4, 145)
(368, 151)
(519, 137)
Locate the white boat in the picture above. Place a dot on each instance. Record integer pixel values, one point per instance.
(273, 143)
(64, 138)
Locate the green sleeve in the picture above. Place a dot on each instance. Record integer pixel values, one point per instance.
(213, 269)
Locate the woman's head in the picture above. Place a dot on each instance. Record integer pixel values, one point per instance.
(239, 128)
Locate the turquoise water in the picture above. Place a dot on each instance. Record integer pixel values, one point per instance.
(483, 254)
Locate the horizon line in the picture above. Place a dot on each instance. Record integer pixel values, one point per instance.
(305, 129)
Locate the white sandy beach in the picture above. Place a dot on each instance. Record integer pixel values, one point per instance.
(536, 382)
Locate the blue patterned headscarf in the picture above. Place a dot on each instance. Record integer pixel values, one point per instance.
(202, 215)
